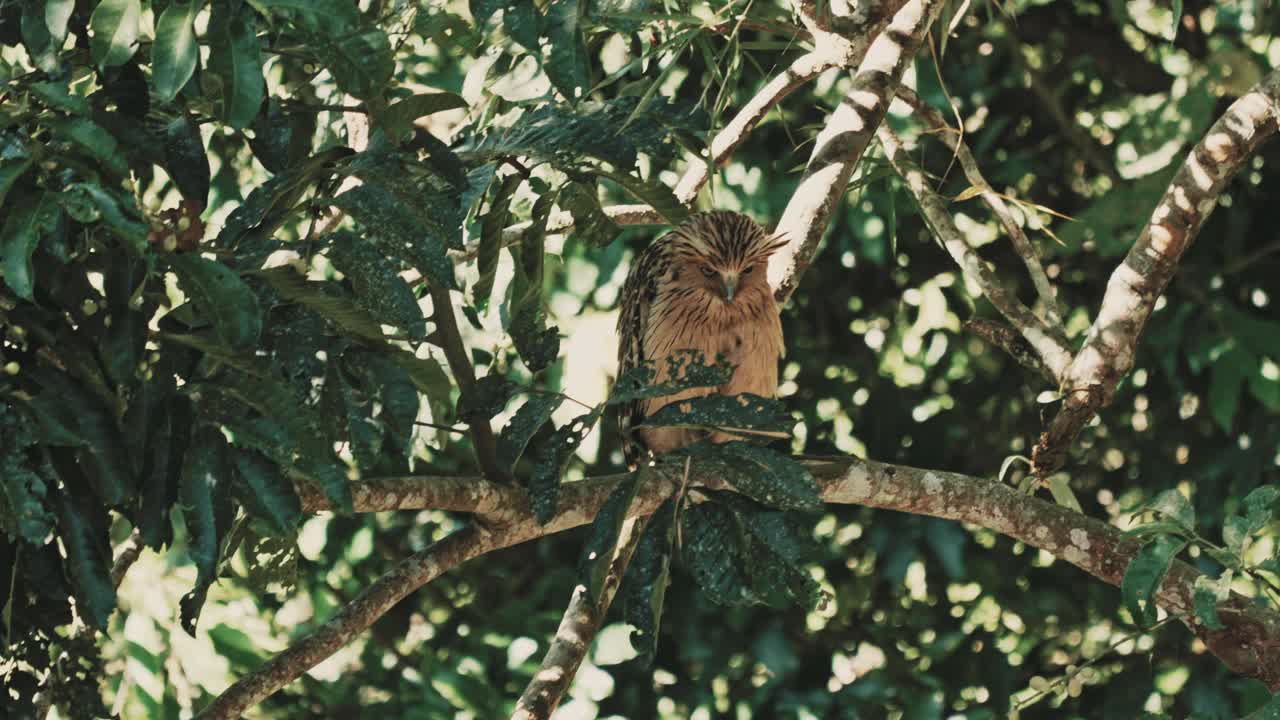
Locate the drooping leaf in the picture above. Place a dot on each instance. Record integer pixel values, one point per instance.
(568, 66)
(205, 494)
(263, 488)
(491, 226)
(713, 552)
(26, 225)
(174, 52)
(379, 287)
(597, 552)
(95, 141)
(537, 344)
(764, 475)
(400, 115)
(589, 220)
(109, 468)
(123, 341)
(745, 414)
(82, 526)
(1144, 574)
(484, 399)
(397, 231)
(644, 587)
(515, 436)
(185, 160)
(115, 31)
(222, 297)
(549, 460)
(361, 63)
(685, 369)
(235, 59)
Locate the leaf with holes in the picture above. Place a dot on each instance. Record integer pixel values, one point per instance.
(644, 588)
(713, 550)
(568, 66)
(491, 225)
(397, 231)
(764, 475)
(589, 219)
(602, 539)
(379, 287)
(484, 399)
(265, 491)
(745, 414)
(1144, 574)
(515, 436)
(549, 460)
(685, 369)
(222, 297)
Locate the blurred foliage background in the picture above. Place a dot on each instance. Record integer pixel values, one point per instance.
(134, 132)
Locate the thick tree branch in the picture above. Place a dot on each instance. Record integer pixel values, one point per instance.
(1049, 342)
(1134, 287)
(1021, 243)
(455, 353)
(840, 145)
(578, 628)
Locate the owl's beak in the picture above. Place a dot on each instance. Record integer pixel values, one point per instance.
(729, 284)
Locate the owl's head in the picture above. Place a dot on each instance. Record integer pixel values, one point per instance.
(722, 254)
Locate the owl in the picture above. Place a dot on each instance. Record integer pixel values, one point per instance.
(703, 286)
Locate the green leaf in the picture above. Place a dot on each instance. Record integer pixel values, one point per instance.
(95, 141)
(399, 117)
(397, 231)
(549, 460)
(654, 193)
(123, 342)
(744, 414)
(222, 297)
(185, 159)
(115, 31)
(520, 20)
(686, 369)
(491, 225)
(1060, 488)
(1260, 504)
(568, 66)
(128, 229)
(378, 285)
(263, 489)
(24, 487)
(235, 59)
(42, 47)
(173, 55)
(28, 222)
(57, 95)
(56, 15)
(537, 344)
(1155, 528)
(83, 525)
(602, 539)
(644, 587)
(515, 436)
(589, 220)
(1235, 533)
(10, 172)
(1173, 505)
(361, 64)
(484, 399)
(393, 387)
(1208, 593)
(1144, 574)
(206, 509)
(713, 551)
(1226, 381)
(108, 465)
(764, 475)
(777, 547)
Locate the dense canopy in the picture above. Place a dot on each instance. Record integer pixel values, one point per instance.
(309, 399)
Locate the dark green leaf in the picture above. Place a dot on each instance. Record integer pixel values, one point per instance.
(222, 297)
(397, 231)
(205, 478)
(399, 117)
(549, 459)
(28, 222)
(124, 340)
(654, 193)
(361, 63)
(95, 141)
(24, 485)
(568, 66)
(1226, 381)
(597, 553)
(129, 229)
(57, 95)
(185, 160)
(1208, 593)
(56, 15)
(42, 47)
(83, 527)
(1144, 574)
(378, 285)
(265, 490)
(115, 31)
(685, 369)
(764, 475)
(589, 220)
(744, 414)
(515, 436)
(394, 390)
(235, 59)
(486, 398)
(520, 20)
(713, 551)
(10, 171)
(644, 587)
(107, 462)
(174, 52)
(491, 225)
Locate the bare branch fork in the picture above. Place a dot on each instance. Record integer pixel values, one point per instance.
(1249, 645)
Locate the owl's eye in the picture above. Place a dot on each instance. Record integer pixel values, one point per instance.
(748, 269)
(708, 272)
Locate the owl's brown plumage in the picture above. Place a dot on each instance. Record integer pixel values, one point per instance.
(703, 286)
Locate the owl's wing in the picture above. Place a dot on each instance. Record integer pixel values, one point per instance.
(639, 293)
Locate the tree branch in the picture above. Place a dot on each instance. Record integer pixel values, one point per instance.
(1013, 343)
(578, 628)
(841, 143)
(1048, 342)
(460, 364)
(1021, 243)
(1134, 287)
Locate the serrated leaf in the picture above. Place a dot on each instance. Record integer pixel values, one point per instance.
(1208, 593)
(82, 525)
(378, 285)
(361, 63)
(397, 231)
(484, 399)
(644, 587)
(265, 490)
(1173, 505)
(602, 539)
(28, 222)
(222, 297)
(185, 159)
(399, 117)
(235, 59)
(713, 551)
(745, 414)
(1143, 576)
(173, 54)
(549, 460)
(686, 369)
(515, 436)
(115, 31)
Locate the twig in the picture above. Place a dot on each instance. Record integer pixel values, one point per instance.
(1021, 243)
(1048, 342)
(578, 628)
(1134, 287)
(128, 554)
(841, 143)
(455, 352)
(1008, 339)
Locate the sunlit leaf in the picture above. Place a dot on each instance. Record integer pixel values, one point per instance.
(174, 52)
(115, 31)
(222, 297)
(1143, 576)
